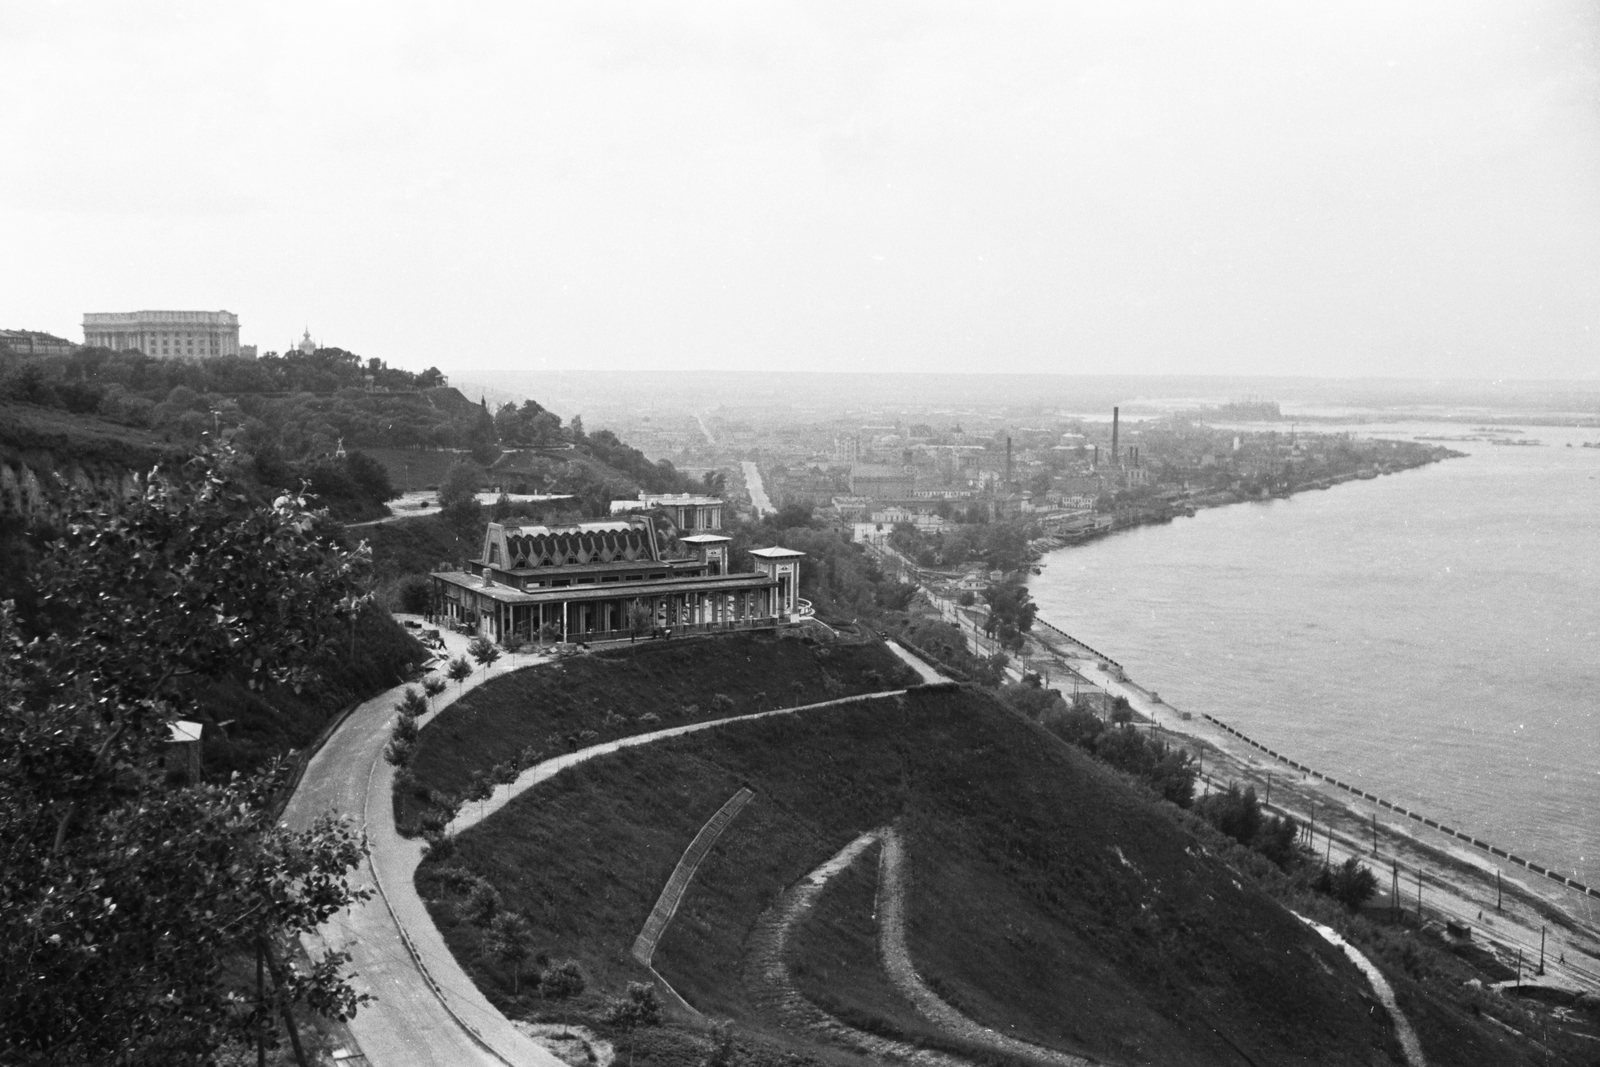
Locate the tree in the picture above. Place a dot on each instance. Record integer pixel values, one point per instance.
(510, 939)
(1351, 884)
(458, 493)
(484, 651)
(639, 618)
(459, 671)
(1012, 605)
(480, 787)
(639, 1006)
(565, 979)
(414, 595)
(505, 774)
(125, 893)
(432, 685)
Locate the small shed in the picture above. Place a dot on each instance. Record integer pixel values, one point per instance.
(183, 739)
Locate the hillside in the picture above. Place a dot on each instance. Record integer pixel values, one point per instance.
(582, 701)
(1049, 900)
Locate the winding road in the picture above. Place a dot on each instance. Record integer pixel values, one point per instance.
(427, 1012)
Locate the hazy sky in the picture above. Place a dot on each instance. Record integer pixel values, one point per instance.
(1356, 188)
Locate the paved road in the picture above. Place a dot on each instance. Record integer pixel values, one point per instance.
(413, 1023)
(758, 492)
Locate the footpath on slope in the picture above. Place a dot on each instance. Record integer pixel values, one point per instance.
(766, 971)
(896, 954)
(425, 1004)
(426, 1011)
(472, 814)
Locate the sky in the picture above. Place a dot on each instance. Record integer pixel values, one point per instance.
(1353, 189)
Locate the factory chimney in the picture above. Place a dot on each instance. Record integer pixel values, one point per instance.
(1115, 462)
(1008, 462)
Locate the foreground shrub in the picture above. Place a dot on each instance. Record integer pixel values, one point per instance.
(564, 979)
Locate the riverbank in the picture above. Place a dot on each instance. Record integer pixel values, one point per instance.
(1188, 504)
(1511, 910)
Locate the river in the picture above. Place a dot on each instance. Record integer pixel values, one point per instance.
(1433, 636)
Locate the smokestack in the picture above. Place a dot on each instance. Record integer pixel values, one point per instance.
(1094, 460)
(1008, 461)
(1115, 414)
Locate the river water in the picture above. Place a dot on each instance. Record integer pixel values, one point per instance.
(1431, 636)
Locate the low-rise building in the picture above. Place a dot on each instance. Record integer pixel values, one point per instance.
(34, 343)
(597, 581)
(879, 480)
(686, 510)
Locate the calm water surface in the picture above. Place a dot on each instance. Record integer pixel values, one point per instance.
(1433, 636)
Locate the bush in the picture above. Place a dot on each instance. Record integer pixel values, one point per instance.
(405, 729)
(440, 846)
(482, 903)
(412, 595)
(564, 979)
(398, 752)
(1350, 883)
(639, 1006)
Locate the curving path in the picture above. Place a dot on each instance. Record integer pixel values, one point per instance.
(428, 1013)
(472, 814)
(1380, 985)
(891, 908)
(766, 972)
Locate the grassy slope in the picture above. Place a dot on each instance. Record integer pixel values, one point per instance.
(260, 726)
(609, 693)
(32, 433)
(418, 545)
(1023, 911)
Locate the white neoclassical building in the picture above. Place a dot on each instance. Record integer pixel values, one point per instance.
(168, 334)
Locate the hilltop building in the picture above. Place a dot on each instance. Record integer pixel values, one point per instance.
(34, 343)
(600, 581)
(168, 334)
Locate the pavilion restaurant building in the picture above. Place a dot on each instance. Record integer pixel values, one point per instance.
(599, 581)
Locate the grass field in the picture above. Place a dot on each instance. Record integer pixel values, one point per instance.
(1048, 898)
(632, 690)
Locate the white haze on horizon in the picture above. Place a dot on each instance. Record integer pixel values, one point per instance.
(1230, 188)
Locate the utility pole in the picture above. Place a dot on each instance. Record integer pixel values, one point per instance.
(1419, 895)
(1541, 949)
(1394, 890)
(1269, 791)
(1374, 833)
(1499, 893)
